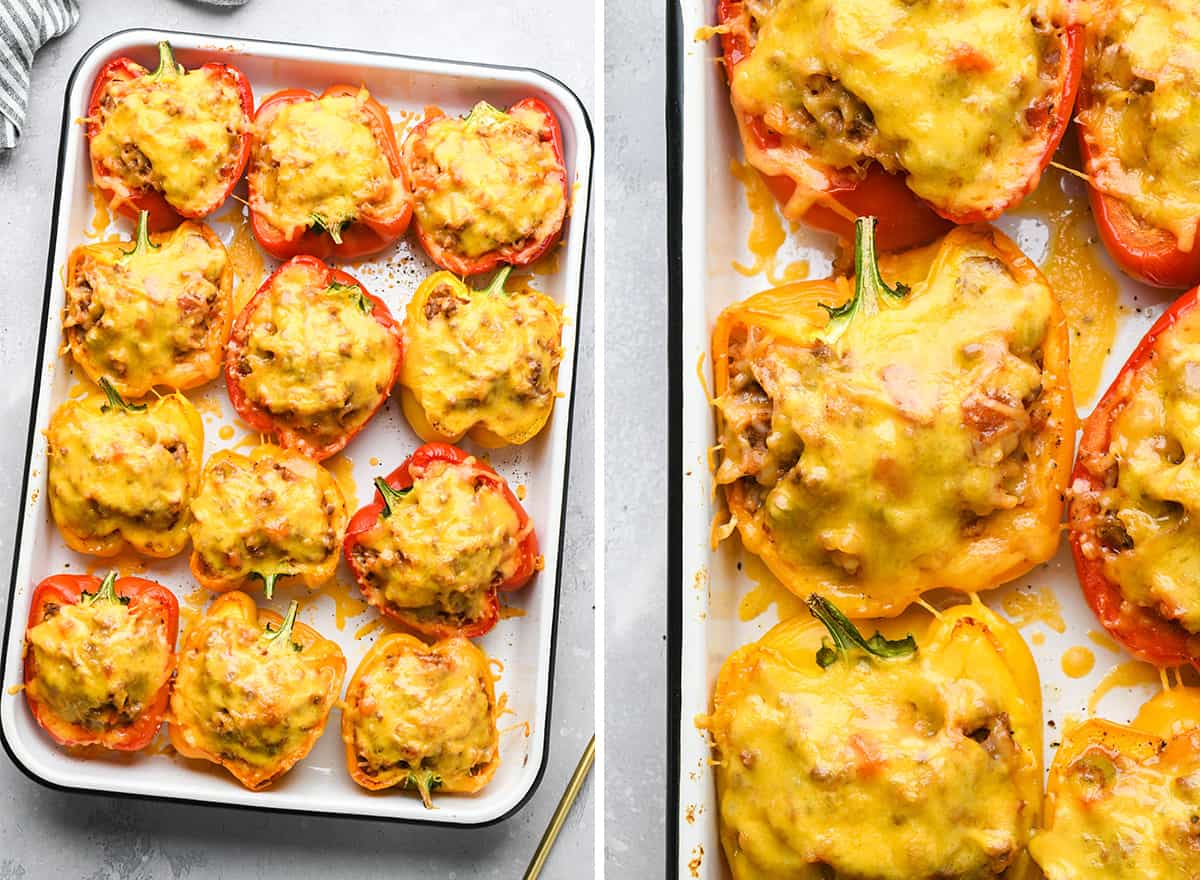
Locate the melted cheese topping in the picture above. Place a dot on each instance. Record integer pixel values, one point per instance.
(176, 133)
(313, 358)
(320, 159)
(125, 475)
(276, 513)
(881, 771)
(157, 317)
(1150, 520)
(952, 92)
(424, 711)
(1122, 818)
(1143, 61)
(98, 665)
(487, 182)
(241, 696)
(876, 461)
(445, 546)
(491, 359)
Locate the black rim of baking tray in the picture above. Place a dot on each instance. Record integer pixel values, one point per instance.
(674, 424)
(67, 122)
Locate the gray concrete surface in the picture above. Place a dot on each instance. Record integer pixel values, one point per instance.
(635, 366)
(45, 834)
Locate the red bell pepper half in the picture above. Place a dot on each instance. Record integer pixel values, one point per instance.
(142, 597)
(905, 219)
(513, 256)
(390, 489)
(366, 235)
(163, 215)
(1146, 633)
(263, 420)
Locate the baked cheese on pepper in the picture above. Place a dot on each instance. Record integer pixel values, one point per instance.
(486, 182)
(877, 760)
(1123, 803)
(268, 515)
(441, 548)
(955, 95)
(156, 314)
(99, 664)
(421, 716)
(250, 696)
(319, 164)
(862, 461)
(1143, 118)
(309, 355)
(486, 359)
(124, 475)
(1148, 530)
(175, 131)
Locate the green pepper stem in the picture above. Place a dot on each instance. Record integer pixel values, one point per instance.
(870, 291)
(107, 591)
(847, 638)
(166, 60)
(425, 781)
(141, 240)
(498, 281)
(285, 627)
(269, 581)
(115, 400)
(390, 496)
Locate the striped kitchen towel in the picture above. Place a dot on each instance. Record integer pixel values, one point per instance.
(24, 26)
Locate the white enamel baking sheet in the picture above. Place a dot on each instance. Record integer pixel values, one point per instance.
(714, 230)
(522, 642)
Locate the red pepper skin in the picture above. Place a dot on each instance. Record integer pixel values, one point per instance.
(905, 220)
(1147, 634)
(460, 265)
(1144, 252)
(163, 215)
(360, 238)
(402, 478)
(262, 420)
(68, 589)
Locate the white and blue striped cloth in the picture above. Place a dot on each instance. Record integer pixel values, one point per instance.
(24, 26)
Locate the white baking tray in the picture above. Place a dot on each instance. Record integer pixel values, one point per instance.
(710, 226)
(523, 643)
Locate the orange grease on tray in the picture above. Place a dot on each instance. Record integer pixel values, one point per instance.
(1127, 674)
(1077, 661)
(1033, 605)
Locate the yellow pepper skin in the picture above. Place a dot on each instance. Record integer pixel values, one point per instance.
(123, 475)
(271, 514)
(253, 690)
(422, 716)
(1123, 801)
(483, 363)
(906, 760)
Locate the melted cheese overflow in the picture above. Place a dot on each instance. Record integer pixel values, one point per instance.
(124, 475)
(313, 358)
(486, 182)
(158, 314)
(173, 131)
(99, 664)
(1123, 807)
(318, 163)
(486, 358)
(1143, 119)
(924, 766)
(866, 463)
(444, 546)
(273, 514)
(422, 717)
(859, 81)
(1149, 508)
